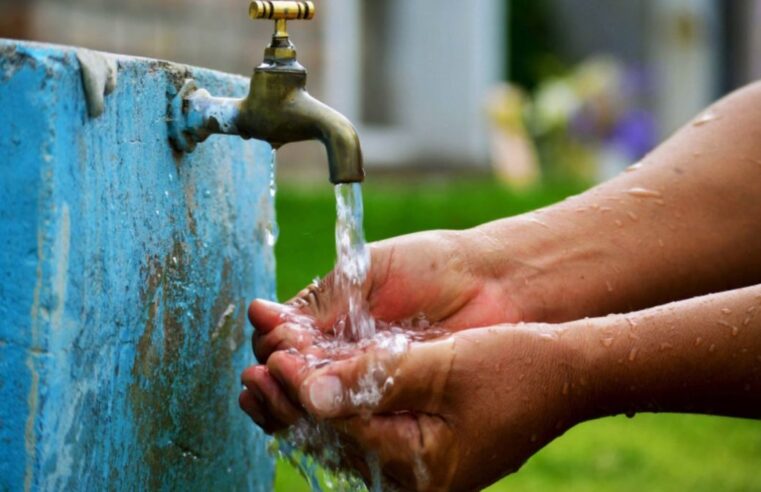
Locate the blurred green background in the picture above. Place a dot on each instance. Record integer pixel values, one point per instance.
(648, 452)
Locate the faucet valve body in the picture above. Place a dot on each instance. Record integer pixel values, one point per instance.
(278, 108)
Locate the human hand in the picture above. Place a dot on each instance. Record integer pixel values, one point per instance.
(460, 412)
(440, 276)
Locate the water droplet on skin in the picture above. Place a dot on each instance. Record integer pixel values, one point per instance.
(605, 209)
(750, 309)
(665, 346)
(580, 210)
(698, 341)
(619, 223)
(521, 376)
(712, 348)
(633, 354)
(607, 341)
(734, 329)
(529, 361)
(548, 337)
(539, 222)
(632, 323)
(726, 311)
(704, 118)
(661, 243)
(640, 192)
(595, 206)
(609, 286)
(633, 167)
(747, 321)
(632, 216)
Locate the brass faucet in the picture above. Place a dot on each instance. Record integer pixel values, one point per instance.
(278, 108)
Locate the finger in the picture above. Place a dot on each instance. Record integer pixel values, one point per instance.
(283, 337)
(252, 405)
(276, 404)
(376, 380)
(319, 302)
(266, 315)
(288, 369)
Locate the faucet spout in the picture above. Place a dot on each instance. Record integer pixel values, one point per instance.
(336, 132)
(278, 109)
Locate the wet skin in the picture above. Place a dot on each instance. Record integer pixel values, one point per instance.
(478, 403)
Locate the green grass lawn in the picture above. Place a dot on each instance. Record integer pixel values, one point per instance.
(648, 452)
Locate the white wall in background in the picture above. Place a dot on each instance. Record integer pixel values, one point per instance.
(684, 49)
(442, 56)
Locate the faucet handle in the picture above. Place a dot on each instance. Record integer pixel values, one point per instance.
(280, 12)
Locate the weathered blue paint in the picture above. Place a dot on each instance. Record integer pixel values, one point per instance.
(125, 270)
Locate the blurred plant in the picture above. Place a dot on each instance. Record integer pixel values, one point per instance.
(587, 124)
(513, 154)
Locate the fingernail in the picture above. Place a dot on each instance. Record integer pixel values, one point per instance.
(326, 393)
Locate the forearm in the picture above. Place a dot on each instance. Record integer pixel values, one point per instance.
(687, 221)
(702, 355)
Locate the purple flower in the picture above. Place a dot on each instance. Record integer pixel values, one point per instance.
(635, 134)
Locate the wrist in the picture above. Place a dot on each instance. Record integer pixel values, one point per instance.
(552, 274)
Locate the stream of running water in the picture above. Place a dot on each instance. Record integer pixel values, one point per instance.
(352, 265)
(315, 447)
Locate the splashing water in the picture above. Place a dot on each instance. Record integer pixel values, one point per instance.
(355, 330)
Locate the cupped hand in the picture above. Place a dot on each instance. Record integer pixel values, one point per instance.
(440, 276)
(456, 413)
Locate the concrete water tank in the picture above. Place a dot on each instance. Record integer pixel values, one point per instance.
(125, 271)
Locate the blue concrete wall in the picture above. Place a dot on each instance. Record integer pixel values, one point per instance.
(125, 270)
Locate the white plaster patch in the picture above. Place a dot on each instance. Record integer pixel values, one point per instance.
(61, 261)
(98, 78)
